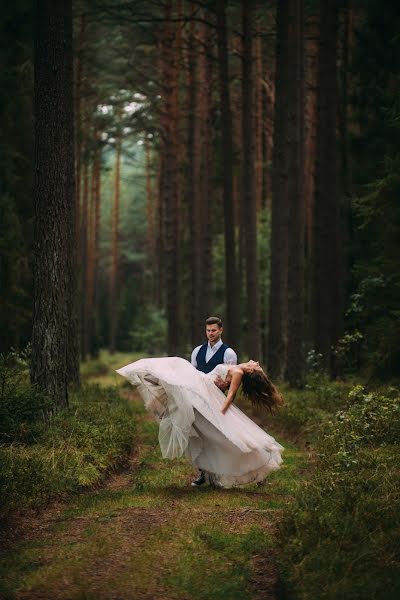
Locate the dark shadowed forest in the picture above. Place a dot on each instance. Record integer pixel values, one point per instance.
(162, 161)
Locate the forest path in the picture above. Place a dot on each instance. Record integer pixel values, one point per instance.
(147, 534)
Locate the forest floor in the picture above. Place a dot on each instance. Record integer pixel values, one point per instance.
(146, 534)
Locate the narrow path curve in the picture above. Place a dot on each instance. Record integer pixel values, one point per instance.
(146, 534)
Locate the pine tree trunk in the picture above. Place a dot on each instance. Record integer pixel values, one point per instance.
(150, 236)
(113, 293)
(269, 92)
(169, 190)
(207, 83)
(159, 274)
(310, 124)
(78, 118)
(95, 341)
(326, 249)
(232, 288)
(54, 200)
(296, 296)
(253, 341)
(84, 222)
(91, 242)
(197, 316)
(276, 351)
(345, 217)
(258, 121)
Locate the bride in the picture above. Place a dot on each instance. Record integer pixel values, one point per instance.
(198, 421)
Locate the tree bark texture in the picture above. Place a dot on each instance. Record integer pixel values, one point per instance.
(276, 346)
(253, 337)
(231, 279)
(258, 120)
(84, 224)
(295, 290)
(169, 189)
(326, 248)
(207, 83)
(197, 317)
(95, 337)
(113, 282)
(55, 243)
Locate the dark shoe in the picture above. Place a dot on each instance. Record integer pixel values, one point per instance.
(200, 480)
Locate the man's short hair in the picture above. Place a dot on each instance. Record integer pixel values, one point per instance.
(214, 321)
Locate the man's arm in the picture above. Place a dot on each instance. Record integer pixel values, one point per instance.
(230, 357)
(194, 356)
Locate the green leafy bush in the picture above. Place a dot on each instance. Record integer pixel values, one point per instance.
(72, 448)
(341, 537)
(21, 404)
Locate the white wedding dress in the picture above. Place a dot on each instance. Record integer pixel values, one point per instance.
(230, 448)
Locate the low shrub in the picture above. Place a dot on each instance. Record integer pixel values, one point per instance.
(22, 405)
(341, 537)
(306, 409)
(70, 449)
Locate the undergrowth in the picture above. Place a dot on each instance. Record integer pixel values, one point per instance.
(43, 454)
(340, 537)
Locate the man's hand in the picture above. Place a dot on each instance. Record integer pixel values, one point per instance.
(222, 384)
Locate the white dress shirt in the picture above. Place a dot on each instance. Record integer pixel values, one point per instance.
(230, 357)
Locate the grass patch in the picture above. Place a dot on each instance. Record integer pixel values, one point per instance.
(214, 564)
(101, 370)
(155, 536)
(69, 450)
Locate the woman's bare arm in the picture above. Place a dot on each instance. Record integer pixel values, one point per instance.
(236, 380)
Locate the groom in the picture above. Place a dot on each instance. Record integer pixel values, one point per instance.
(207, 356)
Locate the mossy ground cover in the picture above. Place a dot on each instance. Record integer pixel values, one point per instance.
(60, 453)
(146, 533)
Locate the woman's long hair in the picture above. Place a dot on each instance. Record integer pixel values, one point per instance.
(260, 390)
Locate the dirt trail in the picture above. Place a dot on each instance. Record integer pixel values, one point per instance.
(146, 534)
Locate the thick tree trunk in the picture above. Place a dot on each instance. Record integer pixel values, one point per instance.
(232, 288)
(276, 351)
(326, 305)
(296, 296)
(253, 341)
(54, 201)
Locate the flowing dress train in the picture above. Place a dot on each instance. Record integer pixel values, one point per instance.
(230, 448)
